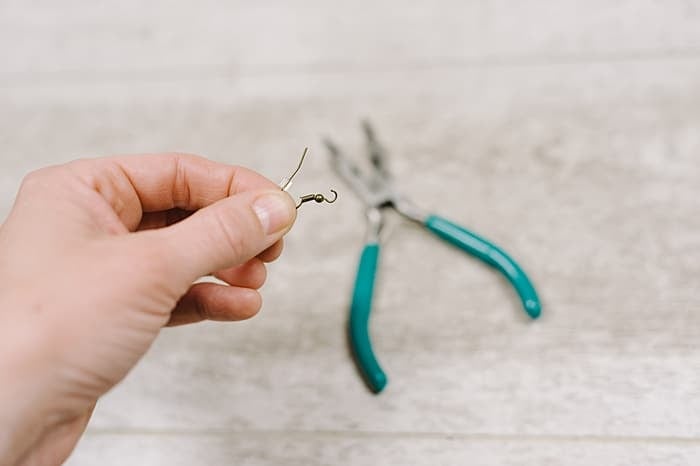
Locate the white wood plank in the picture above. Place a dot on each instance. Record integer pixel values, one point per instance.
(587, 173)
(593, 190)
(202, 37)
(566, 131)
(310, 449)
(296, 375)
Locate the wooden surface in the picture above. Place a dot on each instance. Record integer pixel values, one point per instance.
(568, 132)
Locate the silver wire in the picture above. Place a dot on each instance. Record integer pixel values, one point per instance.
(286, 182)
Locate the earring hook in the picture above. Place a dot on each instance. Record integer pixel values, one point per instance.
(317, 198)
(286, 183)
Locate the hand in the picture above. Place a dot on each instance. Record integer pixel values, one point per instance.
(96, 257)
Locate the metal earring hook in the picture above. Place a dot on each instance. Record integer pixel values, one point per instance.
(318, 198)
(286, 183)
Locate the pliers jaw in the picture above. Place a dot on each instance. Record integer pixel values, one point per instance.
(375, 189)
(377, 154)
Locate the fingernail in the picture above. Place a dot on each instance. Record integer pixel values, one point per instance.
(275, 211)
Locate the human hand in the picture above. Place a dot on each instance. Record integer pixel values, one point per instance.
(96, 257)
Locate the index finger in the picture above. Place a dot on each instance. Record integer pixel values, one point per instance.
(155, 182)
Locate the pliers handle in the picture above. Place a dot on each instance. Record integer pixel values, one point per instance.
(454, 234)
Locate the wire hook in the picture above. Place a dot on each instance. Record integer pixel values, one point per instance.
(318, 198)
(286, 183)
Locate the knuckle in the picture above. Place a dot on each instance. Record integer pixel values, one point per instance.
(181, 193)
(201, 309)
(37, 179)
(49, 177)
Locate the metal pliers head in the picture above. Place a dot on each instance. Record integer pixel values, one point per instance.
(375, 188)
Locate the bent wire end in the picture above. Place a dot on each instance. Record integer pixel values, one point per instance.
(286, 182)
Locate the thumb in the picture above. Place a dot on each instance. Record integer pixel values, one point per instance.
(227, 233)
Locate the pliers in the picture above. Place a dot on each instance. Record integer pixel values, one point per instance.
(377, 192)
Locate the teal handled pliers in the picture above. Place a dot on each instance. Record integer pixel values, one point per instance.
(377, 192)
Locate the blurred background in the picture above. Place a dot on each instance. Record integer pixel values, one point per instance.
(566, 131)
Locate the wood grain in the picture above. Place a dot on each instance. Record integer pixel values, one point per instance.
(188, 38)
(311, 449)
(568, 133)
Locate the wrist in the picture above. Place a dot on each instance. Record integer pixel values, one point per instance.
(24, 376)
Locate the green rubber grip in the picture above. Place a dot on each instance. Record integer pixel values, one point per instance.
(359, 320)
(492, 255)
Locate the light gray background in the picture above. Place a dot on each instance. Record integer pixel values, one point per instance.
(568, 132)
